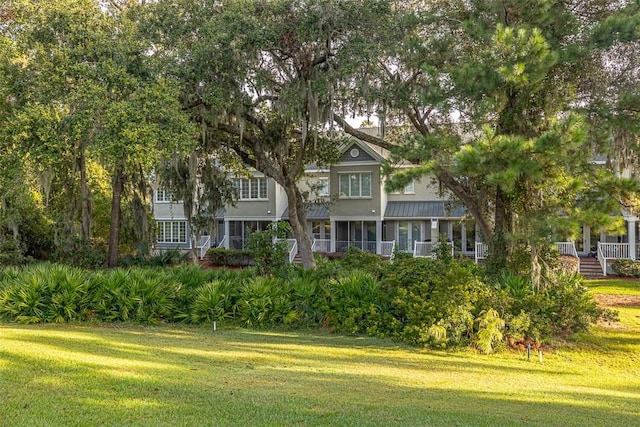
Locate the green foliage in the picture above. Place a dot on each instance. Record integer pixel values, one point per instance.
(46, 294)
(424, 292)
(490, 327)
(356, 259)
(11, 252)
(626, 267)
(269, 248)
(353, 302)
(82, 254)
(133, 295)
(309, 297)
(264, 301)
(229, 257)
(163, 259)
(213, 301)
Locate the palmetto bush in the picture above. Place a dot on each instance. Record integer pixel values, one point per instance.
(265, 301)
(213, 301)
(186, 279)
(46, 293)
(134, 295)
(309, 297)
(354, 300)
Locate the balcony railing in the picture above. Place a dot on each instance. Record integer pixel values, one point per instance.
(567, 248)
(204, 245)
(365, 246)
(321, 245)
(482, 251)
(387, 248)
(427, 249)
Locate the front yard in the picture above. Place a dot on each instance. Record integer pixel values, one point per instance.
(177, 375)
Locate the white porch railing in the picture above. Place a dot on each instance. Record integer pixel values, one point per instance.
(363, 245)
(482, 250)
(426, 249)
(205, 244)
(567, 248)
(222, 242)
(293, 247)
(321, 245)
(614, 250)
(387, 248)
(607, 251)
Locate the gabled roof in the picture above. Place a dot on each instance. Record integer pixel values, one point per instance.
(366, 148)
(424, 210)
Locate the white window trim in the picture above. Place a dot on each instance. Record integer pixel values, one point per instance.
(323, 191)
(171, 240)
(349, 196)
(167, 196)
(252, 181)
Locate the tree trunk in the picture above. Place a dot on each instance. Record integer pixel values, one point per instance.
(114, 228)
(498, 246)
(298, 220)
(84, 195)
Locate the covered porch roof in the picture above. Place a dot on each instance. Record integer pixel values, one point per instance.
(423, 210)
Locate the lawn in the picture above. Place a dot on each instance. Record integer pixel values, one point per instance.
(104, 375)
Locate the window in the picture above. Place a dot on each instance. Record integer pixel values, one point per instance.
(355, 185)
(164, 196)
(408, 189)
(172, 232)
(323, 187)
(251, 189)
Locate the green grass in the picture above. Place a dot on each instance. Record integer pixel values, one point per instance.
(92, 375)
(614, 286)
(112, 375)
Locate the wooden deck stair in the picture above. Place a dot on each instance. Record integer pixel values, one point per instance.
(590, 268)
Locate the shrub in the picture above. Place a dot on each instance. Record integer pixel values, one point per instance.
(213, 302)
(355, 259)
(626, 267)
(229, 257)
(264, 301)
(46, 293)
(432, 301)
(308, 297)
(269, 249)
(134, 295)
(354, 302)
(82, 254)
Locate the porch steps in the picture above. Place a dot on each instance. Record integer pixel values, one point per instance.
(590, 268)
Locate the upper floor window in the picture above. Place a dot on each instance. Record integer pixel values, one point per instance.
(251, 188)
(408, 189)
(323, 187)
(164, 196)
(355, 184)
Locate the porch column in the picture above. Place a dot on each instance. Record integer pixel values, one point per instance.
(379, 236)
(226, 234)
(463, 237)
(631, 236)
(332, 243)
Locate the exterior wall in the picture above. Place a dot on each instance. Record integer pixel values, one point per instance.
(162, 210)
(366, 208)
(258, 209)
(424, 189)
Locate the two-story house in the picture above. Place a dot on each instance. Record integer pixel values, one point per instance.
(350, 207)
